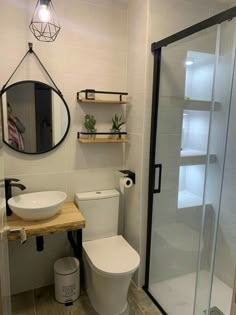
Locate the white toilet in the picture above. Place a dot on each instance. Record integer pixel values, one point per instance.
(109, 261)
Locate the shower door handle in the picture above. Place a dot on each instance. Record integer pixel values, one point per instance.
(158, 189)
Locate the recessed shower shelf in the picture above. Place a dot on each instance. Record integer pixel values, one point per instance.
(195, 157)
(187, 199)
(200, 105)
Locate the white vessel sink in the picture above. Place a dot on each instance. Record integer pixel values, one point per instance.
(37, 206)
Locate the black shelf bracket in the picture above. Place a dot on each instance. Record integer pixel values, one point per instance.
(87, 91)
(30, 48)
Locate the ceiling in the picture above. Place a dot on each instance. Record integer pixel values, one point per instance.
(231, 2)
(225, 1)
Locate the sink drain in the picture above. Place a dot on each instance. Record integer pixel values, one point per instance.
(215, 311)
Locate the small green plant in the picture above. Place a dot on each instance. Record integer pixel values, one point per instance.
(117, 122)
(89, 123)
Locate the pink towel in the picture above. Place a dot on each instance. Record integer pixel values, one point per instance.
(15, 135)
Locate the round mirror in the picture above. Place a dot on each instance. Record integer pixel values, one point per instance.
(36, 118)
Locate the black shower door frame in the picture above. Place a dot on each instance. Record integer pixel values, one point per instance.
(156, 49)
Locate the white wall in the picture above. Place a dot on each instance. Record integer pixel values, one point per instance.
(90, 52)
(137, 56)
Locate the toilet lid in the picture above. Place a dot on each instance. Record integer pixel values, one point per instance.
(112, 255)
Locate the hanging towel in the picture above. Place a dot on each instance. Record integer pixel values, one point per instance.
(14, 135)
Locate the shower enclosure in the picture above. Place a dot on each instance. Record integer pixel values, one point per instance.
(191, 237)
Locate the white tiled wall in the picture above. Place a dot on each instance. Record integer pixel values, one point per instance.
(137, 57)
(90, 52)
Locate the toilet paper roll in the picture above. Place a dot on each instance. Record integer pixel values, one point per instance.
(125, 182)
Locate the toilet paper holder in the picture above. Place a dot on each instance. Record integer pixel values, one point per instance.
(128, 174)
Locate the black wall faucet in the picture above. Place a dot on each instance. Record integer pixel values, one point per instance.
(8, 191)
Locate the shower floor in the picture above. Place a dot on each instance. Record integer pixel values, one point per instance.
(176, 296)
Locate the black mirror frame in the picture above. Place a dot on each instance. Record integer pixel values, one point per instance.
(62, 98)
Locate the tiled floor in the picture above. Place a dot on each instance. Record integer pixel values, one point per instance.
(42, 302)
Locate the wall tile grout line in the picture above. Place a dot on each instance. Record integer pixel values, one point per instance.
(35, 311)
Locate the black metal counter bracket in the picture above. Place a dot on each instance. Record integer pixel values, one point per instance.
(39, 243)
(76, 245)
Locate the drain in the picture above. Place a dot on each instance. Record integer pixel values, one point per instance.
(215, 311)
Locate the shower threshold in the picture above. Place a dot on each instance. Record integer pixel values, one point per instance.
(176, 295)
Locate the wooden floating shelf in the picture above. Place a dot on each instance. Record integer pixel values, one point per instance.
(83, 100)
(102, 140)
(69, 218)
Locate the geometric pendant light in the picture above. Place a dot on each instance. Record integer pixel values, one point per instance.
(44, 24)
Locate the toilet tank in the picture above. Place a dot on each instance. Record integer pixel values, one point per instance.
(100, 210)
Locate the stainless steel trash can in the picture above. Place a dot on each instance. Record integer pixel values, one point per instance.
(67, 280)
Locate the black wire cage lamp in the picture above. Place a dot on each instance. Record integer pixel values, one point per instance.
(45, 24)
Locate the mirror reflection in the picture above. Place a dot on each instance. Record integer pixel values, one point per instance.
(35, 117)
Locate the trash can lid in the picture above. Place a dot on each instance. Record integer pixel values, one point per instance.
(66, 265)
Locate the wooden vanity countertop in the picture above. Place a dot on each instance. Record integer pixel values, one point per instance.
(69, 218)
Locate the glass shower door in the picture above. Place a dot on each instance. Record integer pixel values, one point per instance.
(181, 158)
(219, 261)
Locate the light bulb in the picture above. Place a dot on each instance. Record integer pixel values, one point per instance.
(44, 14)
(189, 62)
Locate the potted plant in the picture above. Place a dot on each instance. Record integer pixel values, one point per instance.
(117, 123)
(89, 124)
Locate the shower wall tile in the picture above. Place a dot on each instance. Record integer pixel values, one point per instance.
(137, 56)
(22, 164)
(83, 157)
(181, 13)
(135, 112)
(91, 180)
(137, 23)
(40, 182)
(170, 121)
(168, 146)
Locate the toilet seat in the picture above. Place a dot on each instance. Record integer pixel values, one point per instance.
(112, 255)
